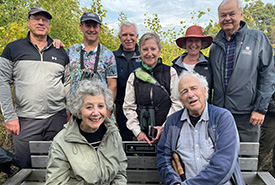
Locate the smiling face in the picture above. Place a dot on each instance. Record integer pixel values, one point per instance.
(91, 31)
(150, 52)
(229, 17)
(92, 112)
(128, 38)
(193, 95)
(39, 25)
(193, 46)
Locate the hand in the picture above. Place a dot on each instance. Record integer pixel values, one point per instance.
(109, 113)
(256, 118)
(159, 132)
(68, 117)
(142, 137)
(13, 126)
(57, 43)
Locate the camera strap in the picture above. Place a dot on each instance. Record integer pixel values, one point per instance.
(96, 59)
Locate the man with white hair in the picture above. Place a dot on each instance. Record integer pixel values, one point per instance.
(128, 59)
(203, 136)
(243, 70)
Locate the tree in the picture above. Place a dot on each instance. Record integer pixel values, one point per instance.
(261, 16)
(64, 25)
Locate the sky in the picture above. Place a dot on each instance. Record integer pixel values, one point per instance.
(170, 12)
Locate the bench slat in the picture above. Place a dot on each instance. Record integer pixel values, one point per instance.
(39, 161)
(139, 176)
(37, 175)
(267, 178)
(249, 148)
(147, 162)
(251, 178)
(18, 177)
(39, 147)
(248, 164)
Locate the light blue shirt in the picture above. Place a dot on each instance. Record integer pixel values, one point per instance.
(195, 146)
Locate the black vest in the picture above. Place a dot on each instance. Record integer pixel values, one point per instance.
(148, 94)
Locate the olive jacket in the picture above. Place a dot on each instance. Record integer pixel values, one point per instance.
(72, 160)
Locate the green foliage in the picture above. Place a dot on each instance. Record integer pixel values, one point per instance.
(107, 37)
(65, 22)
(122, 17)
(260, 16)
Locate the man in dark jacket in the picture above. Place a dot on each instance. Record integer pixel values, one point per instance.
(128, 59)
(40, 74)
(243, 70)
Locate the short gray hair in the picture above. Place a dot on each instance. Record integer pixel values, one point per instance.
(147, 36)
(127, 23)
(202, 80)
(239, 3)
(88, 87)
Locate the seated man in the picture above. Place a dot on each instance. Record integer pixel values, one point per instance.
(204, 136)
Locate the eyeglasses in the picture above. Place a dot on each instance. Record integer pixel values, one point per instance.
(36, 18)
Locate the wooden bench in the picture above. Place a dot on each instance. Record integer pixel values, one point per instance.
(141, 169)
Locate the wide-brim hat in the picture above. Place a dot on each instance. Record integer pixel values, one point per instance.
(35, 10)
(195, 32)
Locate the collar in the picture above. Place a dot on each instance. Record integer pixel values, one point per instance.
(82, 46)
(240, 31)
(150, 68)
(181, 64)
(72, 133)
(204, 116)
(232, 37)
(120, 50)
(49, 40)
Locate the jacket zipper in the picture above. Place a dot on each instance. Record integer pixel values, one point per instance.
(101, 173)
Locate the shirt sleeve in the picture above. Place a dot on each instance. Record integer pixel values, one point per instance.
(130, 106)
(6, 79)
(176, 104)
(111, 65)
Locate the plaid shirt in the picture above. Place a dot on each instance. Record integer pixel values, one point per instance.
(230, 47)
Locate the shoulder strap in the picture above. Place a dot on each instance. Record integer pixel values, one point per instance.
(96, 58)
(81, 59)
(146, 77)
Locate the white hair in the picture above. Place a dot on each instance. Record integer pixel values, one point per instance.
(239, 3)
(202, 80)
(127, 23)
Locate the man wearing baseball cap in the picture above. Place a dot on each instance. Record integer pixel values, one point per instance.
(90, 59)
(39, 74)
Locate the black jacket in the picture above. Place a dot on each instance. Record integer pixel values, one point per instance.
(202, 67)
(148, 94)
(124, 69)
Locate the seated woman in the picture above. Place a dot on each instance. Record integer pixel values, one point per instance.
(148, 97)
(89, 149)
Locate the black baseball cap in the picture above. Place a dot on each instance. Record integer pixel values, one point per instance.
(89, 16)
(35, 10)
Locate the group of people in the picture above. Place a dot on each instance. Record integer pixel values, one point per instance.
(166, 105)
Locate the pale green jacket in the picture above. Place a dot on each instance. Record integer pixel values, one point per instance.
(73, 161)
